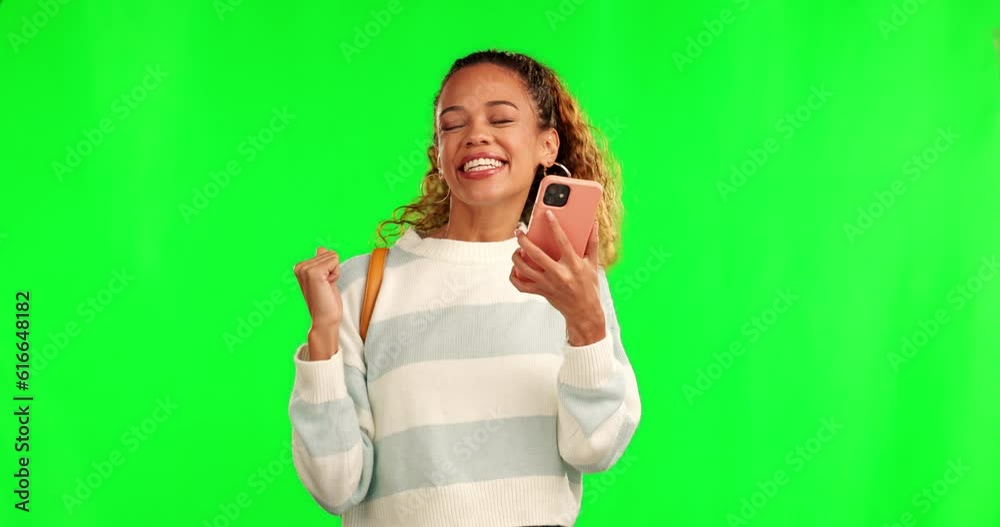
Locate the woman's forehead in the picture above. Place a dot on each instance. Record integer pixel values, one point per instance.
(477, 85)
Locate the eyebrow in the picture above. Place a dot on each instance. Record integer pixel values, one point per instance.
(490, 103)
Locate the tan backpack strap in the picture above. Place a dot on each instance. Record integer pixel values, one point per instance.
(376, 264)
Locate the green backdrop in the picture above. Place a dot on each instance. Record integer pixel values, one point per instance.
(808, 288)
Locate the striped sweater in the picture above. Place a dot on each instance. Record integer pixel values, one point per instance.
(466, 405)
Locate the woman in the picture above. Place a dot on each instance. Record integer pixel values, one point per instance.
(492, 376)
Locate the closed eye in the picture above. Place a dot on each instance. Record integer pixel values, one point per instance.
(454, 127)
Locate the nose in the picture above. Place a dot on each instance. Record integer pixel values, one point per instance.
(478, 134)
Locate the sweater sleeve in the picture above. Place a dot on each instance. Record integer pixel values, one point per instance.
(598, 397)
(332, 425)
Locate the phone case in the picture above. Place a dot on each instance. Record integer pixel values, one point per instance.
(576, 216)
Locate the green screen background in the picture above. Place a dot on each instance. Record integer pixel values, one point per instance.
(146, 411)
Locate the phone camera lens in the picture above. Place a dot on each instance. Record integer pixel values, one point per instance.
(556, 195)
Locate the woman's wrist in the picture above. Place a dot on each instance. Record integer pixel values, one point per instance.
(586, 330)
(323, 342)
(585, 337)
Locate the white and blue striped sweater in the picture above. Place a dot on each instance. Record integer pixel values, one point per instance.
(466, 405)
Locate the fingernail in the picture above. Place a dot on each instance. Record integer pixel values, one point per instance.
(550, 215)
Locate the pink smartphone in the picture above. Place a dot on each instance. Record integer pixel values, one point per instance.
(574, 202)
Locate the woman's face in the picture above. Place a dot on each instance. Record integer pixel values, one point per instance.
(488, 135)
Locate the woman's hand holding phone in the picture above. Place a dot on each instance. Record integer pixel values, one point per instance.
(570, 284)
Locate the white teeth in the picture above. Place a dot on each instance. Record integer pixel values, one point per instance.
(482, 163)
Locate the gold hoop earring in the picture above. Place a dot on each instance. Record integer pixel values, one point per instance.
(441, 177)
(423, 182)
(560, 165)
(446, 196)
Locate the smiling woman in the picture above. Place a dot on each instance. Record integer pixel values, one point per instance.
(508, 108)
(477, 395)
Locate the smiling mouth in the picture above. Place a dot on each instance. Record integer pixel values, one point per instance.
(481, 165)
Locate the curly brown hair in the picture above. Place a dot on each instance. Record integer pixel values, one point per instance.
(583, 149)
